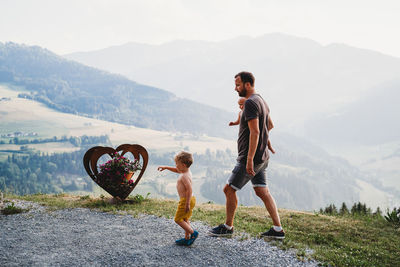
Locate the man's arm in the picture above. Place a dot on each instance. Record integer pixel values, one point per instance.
(172, 169)
(253, 142)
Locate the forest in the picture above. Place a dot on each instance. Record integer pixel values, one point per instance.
(31, 172)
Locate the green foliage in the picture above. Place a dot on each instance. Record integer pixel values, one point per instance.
(11, 209)
(139, 198)
(358, 209)
(393, 216)
(43, 173)
(77, 141)
(343, 209)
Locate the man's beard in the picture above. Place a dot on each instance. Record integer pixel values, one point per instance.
(242, 93)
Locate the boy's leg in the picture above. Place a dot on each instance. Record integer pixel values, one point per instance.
(186, 226)
(187, 234)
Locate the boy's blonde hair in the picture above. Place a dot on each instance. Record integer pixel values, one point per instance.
(184, 157)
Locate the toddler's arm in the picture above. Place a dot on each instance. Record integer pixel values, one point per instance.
(270, 124)
(172, 169)
(270, 147)
(235, 122)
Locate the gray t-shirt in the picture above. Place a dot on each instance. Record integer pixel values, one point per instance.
(254, 107)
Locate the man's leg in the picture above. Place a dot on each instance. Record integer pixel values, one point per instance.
(231, 204)
(269, 202)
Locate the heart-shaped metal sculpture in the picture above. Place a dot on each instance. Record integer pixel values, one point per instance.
(117, 189)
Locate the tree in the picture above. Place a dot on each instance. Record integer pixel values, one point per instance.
(344, 210)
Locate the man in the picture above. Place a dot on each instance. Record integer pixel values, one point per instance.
(252, 160)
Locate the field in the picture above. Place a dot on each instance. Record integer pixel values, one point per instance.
(28, 116)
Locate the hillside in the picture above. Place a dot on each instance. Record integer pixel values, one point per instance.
(301, 175)
(75, 88)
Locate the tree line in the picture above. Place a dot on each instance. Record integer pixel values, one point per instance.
(43, 173)
(74, 140)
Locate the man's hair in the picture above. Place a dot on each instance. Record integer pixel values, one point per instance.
(184, 157)
(246, 77)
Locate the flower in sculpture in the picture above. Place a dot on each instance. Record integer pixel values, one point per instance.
(119, 169)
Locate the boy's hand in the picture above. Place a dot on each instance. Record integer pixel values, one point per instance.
(161, 168)
(187, 207)
(270, 147)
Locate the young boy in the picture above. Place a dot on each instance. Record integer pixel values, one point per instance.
(241, 106)
(187, 201)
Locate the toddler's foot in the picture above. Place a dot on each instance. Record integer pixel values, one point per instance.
(192, 238)
(181, 242)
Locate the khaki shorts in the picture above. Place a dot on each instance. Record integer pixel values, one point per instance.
(180, 214)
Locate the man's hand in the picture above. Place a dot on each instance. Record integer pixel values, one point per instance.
(250, 168)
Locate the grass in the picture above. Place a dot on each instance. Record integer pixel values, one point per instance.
(11, 209)
(332, 240)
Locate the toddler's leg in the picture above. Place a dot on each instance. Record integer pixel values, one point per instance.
(186, 226)
(187, 234)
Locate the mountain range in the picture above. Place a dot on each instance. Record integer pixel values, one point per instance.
(298, 77)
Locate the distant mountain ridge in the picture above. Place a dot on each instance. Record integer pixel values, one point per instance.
(75, 88)
(297, 76)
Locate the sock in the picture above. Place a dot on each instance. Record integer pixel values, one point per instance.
(277, 228)
(228, 227)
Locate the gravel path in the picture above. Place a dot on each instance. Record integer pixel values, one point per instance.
(83, 237)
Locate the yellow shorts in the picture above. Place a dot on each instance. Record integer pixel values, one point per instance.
(180, 214)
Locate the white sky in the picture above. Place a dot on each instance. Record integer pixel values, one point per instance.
(66, 26)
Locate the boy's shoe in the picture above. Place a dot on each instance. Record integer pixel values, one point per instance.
(220, 230)
(193, 237)
(271, 233)
(180, 242)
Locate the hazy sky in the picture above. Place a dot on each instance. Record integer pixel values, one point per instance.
(65, 26)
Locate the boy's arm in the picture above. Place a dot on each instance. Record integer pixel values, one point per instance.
(270, 124)
(172, 169)
(188, 192)
(235, 122)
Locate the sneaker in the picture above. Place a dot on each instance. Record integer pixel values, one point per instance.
(193, 237)
(271, 233)
(180, 242)
(220, 230)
